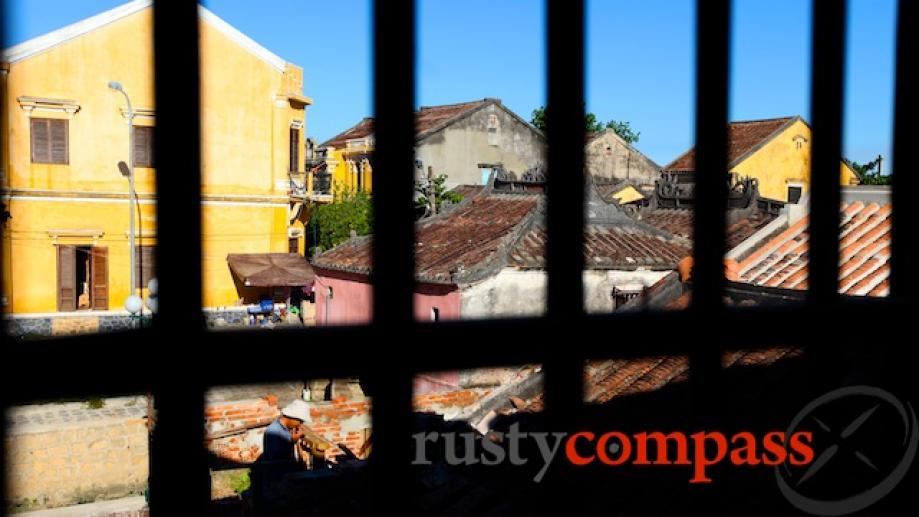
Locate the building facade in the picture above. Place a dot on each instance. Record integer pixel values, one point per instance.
(464, 141)
(64, 132)
(608, 156)
(775, 152)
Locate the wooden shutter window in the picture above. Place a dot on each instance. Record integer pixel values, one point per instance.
(99, 274)
(143, 146)
(294, 149)
(144, 265)
(66, 278)
(50, 140)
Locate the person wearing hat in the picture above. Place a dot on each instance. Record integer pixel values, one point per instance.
(279, 451)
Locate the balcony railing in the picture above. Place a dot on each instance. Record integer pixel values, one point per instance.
(310, 186)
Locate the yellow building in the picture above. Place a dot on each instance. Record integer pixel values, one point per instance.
(346, 160)
(64, 132)
(776, 152)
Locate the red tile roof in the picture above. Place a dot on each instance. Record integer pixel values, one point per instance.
(679, 221)
(607, 246)
(427, 119)
(864, 242)
(452, 247)
(604, 380)
(743, 137)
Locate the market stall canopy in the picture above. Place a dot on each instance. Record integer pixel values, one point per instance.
(271, 269)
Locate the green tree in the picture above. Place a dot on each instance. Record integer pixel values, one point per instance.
(591, 124)
(434, 189)
(333, 223)
(869, 173)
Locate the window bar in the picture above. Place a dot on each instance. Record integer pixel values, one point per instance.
(710, 192)
(827, 76)
(178, 467)
(393, 273)
(565, 203)
(904, 280)
(826, 120)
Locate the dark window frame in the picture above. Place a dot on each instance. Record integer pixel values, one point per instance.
(146, 158)
(48, 123)
(178, 481)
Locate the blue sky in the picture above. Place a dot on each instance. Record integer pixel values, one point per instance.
(640, 59)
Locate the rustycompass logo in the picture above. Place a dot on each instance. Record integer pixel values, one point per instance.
(865, 441)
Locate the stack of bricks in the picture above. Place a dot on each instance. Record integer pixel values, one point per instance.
(449, 403)
(235, 429)
(342, 421)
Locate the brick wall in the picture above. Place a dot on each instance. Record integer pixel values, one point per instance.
(65, 464)
(449, 403)
(235, 429)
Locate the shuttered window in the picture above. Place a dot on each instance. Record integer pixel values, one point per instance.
(144, 265)
(99, 278)
(143, 146)
(294, 149)
(66, 278)
(50, 140)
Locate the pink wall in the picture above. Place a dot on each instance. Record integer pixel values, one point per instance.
(445, 298)
(352, 299)
(351, 302)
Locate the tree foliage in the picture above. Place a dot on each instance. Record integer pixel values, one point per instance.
(591, 125)
(333, 223)
(434, 188)
(869, 173)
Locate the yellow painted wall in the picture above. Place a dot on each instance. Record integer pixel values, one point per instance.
(246, 118)
(346, 168)
(781, 162)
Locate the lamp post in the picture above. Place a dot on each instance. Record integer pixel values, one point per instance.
(115, 85)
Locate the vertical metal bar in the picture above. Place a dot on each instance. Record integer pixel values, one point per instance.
(826, 122)
(565, 201)
(4, 336)
(393, 246)
(904, 280)
(711, 177)
(178, 470)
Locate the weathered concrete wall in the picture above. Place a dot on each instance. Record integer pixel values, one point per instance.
(64, 454)
(523, 293)
(458, 149)
(91, 322)
(609, 156)
(509, 293)
(598, 286)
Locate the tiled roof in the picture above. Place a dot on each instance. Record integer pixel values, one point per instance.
(468, 191)
(361, 130)
(452, 247)
(679, 221)
(608, 379)
(743, 137)
(607, 246)
(864, 244)
(427, 119)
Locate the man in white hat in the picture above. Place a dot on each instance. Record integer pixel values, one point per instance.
(278, 451)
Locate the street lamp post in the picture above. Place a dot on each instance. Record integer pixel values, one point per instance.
(115, 85)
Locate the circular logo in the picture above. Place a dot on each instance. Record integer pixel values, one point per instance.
(847, 460)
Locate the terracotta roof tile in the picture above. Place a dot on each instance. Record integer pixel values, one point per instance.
(679, 221)
(743, 137)
(864, 240)
(451, 244)
(426, 119)
(607, 246)
(607, 379)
